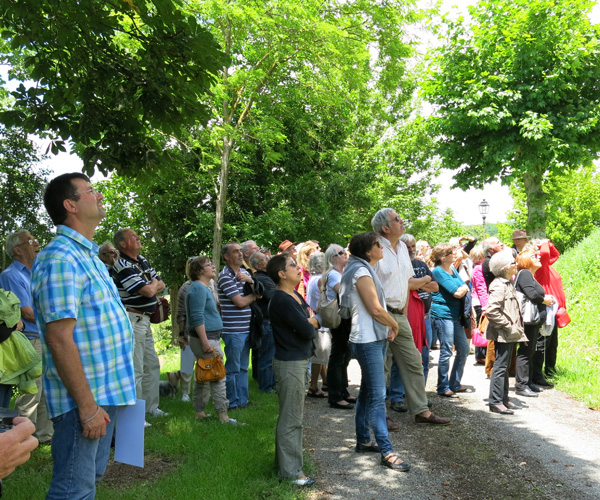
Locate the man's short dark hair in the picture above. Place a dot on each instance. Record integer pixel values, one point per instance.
(119, 237)
(277, 263)
(361, 244)
(225, 248)
(57, 191)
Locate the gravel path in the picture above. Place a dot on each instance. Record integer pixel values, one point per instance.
(548, 450)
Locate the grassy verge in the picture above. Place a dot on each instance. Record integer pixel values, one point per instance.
(578, 351)
(185, 459)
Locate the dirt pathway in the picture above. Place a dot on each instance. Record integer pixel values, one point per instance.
(548, 450)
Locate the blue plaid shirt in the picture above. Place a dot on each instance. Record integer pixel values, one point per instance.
(70, 281)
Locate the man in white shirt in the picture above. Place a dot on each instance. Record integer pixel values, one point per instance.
(394, 271)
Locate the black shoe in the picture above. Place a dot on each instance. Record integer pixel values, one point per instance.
(340, 406)
(527, 392)
(367, 448)
(495, 409)
(535, 388)
(543, 383)
(390, 462)
(399, 406)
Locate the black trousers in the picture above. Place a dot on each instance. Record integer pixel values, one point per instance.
(544, 359)
(499, 379)
(337, 368)
(525, 352)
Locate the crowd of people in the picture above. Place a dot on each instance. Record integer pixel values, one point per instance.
(386, 299)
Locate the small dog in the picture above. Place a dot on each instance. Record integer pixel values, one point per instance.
(170, 387)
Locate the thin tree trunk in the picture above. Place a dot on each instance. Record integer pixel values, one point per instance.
(221, 200)
(536, 204)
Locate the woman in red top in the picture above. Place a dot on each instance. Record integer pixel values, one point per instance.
(552, 284)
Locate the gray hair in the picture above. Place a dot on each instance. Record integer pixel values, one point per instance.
(316, 263)
(246, 246)
(476, 253)
(489, 243)
(14, 240)
(500, 261)
(225, 248)
(330, 254)
(408, 238)
(254, 258)
(380, 219)
(104, 246)
(119, 237)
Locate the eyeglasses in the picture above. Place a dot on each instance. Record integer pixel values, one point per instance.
(210, 264)
(292, 264)
(340, 253)
(28, 242)
(395, 219)
(111, 252)
(378, 244)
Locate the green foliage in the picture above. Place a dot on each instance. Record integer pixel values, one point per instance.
(116, 78)
(514, 94)
(22, 185)
(578, 354)
(572, 205)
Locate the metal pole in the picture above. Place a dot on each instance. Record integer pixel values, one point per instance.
(483, 216)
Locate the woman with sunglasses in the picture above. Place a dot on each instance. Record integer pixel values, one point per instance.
(362, 299)
(293, 333)
(445, 320)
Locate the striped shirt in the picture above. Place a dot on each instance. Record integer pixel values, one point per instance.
(70, 281)
(130, 275)
(235, 319)
(394, 271)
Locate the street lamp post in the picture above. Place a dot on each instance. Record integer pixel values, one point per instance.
(484, 208)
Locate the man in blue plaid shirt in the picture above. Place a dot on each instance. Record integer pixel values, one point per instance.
(87, 339)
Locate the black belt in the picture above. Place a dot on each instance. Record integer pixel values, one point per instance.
(136, 311)
(395, 310)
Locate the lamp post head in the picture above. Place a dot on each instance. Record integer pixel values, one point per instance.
(484, 208)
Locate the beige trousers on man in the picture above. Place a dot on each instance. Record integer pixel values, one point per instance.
(33, 406)
(410, 364)
(145, 361)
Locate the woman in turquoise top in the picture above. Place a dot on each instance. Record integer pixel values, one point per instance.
(204, 328)
(445, 320)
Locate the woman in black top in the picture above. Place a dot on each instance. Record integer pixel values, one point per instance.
(293, 332)
(528, 263)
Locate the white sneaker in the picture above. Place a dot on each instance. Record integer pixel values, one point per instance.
(185, 398)
(159, 413)
(147, 424)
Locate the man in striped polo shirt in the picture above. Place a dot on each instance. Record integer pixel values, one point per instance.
(235, 309)
(138, 284)
(86, 339)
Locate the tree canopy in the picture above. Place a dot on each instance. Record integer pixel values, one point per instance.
(516, 94)
(119, 79)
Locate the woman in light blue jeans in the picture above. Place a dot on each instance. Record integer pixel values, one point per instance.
(445, 320)
(362, 299)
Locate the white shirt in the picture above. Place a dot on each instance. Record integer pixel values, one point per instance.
(362, 331)
(394, 271)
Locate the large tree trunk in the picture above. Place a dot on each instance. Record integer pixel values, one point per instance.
(221, 200)
(536, 204)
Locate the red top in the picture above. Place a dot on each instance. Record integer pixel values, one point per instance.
(416, 319)
(547, 275)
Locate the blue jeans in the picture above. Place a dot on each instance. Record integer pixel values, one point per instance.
(237, 353)
(6, 392)
(266, 375)
(79, 463)
(451, 333)
(370, 404)
(425, 351)
(396, 391)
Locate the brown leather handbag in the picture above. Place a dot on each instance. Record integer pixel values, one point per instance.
(210, 369)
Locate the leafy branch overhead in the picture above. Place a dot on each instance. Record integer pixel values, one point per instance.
(117, 78)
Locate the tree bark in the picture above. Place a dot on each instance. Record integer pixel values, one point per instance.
(536, 203)
(221, 200)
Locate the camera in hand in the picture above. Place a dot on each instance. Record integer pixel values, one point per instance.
(6, 418)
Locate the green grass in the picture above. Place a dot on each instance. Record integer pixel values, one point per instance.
(211, 461)
(578, 364)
